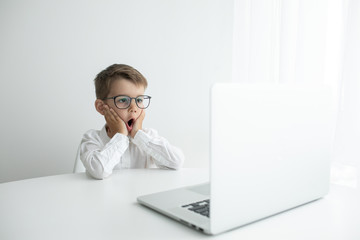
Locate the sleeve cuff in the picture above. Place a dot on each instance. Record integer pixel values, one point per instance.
(141, 138)
(121, 141)
(114, 149)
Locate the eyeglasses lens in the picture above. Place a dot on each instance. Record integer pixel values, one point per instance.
(123, 102)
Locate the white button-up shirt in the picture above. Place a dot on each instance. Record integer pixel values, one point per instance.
(101, 155)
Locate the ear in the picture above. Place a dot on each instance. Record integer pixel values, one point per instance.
(99, 105)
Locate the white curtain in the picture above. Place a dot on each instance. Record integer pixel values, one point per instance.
(312, 41)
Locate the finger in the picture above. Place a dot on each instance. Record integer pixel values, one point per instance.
(109, 114)
(108, 118)
(114, 115)
(107, 111)
(142, 115)
(106, 108)
(138, 121)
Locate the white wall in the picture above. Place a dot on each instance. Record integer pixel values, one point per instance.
(50, 52)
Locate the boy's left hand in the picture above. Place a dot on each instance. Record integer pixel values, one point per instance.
(138, 124)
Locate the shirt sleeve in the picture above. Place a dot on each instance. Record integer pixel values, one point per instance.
(100, 158)
(160, 150)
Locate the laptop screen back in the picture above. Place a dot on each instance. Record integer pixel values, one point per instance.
(270, 149)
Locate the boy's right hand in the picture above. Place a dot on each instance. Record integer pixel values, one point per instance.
(114, 122)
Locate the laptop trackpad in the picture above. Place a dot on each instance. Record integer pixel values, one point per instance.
(203, 189)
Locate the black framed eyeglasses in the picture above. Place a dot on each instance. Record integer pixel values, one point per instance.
(123, 101)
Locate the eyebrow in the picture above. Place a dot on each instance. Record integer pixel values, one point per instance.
(126, 95)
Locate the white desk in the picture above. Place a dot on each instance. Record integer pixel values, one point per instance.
(74, 206)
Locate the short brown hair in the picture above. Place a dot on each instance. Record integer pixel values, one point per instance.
(115, 72)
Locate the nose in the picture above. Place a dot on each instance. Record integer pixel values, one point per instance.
(133, 107)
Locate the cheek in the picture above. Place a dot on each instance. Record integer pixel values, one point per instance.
(138, 114)
(122, 114)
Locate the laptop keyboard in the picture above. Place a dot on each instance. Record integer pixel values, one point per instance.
(202, 207)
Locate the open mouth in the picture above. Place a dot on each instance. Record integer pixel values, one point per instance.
(130, 124)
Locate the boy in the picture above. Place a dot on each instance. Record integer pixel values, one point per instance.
(122, 142)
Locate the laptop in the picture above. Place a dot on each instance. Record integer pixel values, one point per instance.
(270, 151)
